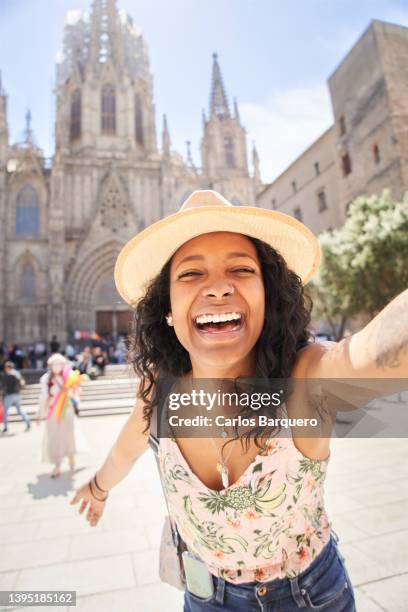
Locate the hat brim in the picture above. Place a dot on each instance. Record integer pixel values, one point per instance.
(143, 257)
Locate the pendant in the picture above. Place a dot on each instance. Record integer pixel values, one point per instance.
(224, 476)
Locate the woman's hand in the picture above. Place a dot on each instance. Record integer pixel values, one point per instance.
(95, 507)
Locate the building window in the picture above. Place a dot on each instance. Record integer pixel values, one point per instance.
(346, 164)
(294, 186)
(376, 154)
(317, 168)
(273, 203)
(27, 212)
(108, 116)
(297, 213)
(229, 152)
(342, 125)
(75, 123)
(322, 203)
(139, 131)
(27, 282)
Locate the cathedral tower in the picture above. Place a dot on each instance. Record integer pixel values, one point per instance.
(104, 86)
(105, 180)
(223, 146)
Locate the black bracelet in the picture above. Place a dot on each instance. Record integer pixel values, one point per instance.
(98, 487)
(93, 494)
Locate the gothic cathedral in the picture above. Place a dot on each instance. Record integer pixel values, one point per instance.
(63, 221)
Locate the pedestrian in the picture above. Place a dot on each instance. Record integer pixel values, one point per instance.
(218, 292)
(70, 351)
(12, 383)
(59, 395)
(54, 345)
(31, 357)
(99, 360)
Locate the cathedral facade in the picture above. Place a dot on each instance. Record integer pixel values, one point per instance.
(64, 221)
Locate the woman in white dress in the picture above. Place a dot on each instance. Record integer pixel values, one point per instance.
(58, 400)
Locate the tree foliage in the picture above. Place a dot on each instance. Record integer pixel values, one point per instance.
(365, 262)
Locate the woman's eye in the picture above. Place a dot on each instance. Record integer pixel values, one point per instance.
(191, 273)
(243, 270)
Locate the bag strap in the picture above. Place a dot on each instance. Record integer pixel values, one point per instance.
(154, 443)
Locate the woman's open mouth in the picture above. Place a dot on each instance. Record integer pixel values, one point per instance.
(219, 323)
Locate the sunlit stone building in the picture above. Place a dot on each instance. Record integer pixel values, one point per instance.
(366, 148)
(63, 221)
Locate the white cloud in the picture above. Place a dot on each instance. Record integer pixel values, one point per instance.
(289, 122)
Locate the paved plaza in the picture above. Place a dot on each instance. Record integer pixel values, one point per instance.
(46, 544)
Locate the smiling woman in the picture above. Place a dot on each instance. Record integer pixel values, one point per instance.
(219, 294)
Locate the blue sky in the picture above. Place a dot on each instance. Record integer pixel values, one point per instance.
(275, 58)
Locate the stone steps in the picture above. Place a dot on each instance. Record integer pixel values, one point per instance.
(111, 394)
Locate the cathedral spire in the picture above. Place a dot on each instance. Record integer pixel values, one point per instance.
(3, 108)
(28, 132)
(236, 111)
(218, 98)
(104, 39)
(255, 163)
(166, 143)
(190, 162)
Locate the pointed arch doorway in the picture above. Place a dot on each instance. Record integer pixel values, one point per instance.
(94, 305)
(112, 316)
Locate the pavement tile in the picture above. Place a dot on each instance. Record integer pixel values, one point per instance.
(7, 580)
(67, 525)
(103, 543)
(346, 531)
(390, 550)
(11, 514)
(365, 603)
(85, 577)
(360, 566)
(153, 532)
(146, 566)
(18, 532)
(33, 554)
(390, 594)
(379, 520)
(155, 598)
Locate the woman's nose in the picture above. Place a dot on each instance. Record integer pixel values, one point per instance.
(219, 289)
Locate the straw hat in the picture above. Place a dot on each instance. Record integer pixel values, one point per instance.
(57, 359)
(143, 257)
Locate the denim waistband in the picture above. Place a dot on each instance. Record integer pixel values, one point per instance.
(282, 586)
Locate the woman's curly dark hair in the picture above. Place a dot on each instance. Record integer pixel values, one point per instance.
(156, 353)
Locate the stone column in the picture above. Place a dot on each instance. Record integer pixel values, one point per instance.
(57, 323)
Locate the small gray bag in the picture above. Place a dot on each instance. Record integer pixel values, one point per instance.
(171, 569)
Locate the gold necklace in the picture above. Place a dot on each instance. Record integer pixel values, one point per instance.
(221, 465)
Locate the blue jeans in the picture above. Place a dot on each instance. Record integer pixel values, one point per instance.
(13, 399)
(323, 585)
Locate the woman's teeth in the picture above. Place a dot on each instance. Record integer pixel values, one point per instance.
(221, 318)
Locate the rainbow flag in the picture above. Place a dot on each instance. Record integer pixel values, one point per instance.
(72, 380)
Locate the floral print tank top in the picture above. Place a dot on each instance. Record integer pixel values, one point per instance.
(271, 523)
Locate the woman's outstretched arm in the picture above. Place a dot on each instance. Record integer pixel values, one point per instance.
(379, 350)
(130, 444)
(128, 447)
